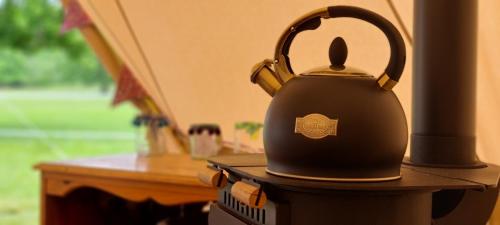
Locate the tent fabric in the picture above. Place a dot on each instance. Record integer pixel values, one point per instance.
(194, 57)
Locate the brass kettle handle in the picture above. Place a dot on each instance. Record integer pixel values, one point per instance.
(312, 21)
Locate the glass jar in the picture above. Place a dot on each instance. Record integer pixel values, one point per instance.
(205, 140)
(248, 137)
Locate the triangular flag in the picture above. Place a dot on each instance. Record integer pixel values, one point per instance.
(128, 88)
(74, 17)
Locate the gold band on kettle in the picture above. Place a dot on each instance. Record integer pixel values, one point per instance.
(385, 82)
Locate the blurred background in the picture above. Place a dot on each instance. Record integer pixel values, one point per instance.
(54, 103)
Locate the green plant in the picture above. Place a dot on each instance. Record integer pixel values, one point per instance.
(252, 128)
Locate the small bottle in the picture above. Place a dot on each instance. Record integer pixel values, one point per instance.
(157, 136)
(141, 144)
(150, 137)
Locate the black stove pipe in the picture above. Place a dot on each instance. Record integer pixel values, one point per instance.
(444, 83)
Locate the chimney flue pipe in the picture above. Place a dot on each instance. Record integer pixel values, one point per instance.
(444, 83)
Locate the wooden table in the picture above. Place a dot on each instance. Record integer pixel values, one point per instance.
(168, 180)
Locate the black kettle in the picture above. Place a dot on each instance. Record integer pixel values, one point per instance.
(334, 123)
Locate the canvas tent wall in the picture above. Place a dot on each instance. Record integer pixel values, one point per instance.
(194, 57)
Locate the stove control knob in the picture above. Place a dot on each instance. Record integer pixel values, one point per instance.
(213, 177)
(249, 193)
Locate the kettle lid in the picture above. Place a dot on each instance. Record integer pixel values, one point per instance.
(338, 56)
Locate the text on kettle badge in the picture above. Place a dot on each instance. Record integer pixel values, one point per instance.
(316, 126)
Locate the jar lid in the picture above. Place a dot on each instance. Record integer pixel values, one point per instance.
(199, 128)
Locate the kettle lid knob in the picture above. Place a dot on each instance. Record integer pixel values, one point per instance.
(338, 52)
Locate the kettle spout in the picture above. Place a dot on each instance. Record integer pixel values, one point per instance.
(263, 74)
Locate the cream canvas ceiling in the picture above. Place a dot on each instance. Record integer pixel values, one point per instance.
(194, 57)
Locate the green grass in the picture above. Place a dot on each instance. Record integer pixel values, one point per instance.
(94, 113)
(19, 183)
(19, 189)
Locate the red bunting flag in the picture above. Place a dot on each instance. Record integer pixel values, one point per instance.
(128, 88)
(74, 17)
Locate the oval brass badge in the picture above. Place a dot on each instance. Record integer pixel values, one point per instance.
(316, 126)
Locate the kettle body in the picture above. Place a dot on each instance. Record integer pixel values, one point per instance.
(369, 135)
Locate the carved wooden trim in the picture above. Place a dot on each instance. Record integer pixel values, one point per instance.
(137, 191)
